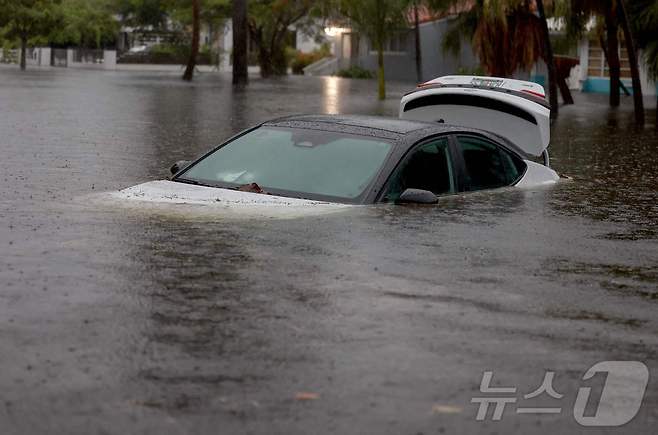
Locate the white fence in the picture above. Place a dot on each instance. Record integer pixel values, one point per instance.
(70, 58)
(8, 56)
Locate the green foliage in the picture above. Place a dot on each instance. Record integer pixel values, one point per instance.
(463, 27)
(171, 50)
(643, 15)
(355, 72)
(651, 59)
(86, 23)
(378, 20)
(143, 13)
(154, 14)
(83, 23)
(170, 54)
(476, 71)
(213, 12)
(564, 46)
(270, 22)
(25, 19)
(577, 15)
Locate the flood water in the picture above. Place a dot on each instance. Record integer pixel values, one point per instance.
(372, 320)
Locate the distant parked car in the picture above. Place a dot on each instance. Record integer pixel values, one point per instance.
(139, 49)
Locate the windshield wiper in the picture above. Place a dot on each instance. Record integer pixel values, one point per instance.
(251, 187)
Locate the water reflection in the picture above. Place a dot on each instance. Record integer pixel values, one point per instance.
(330, 95)
(614, 167)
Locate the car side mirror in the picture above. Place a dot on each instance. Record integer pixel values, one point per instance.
(176, 167)
(417, 196)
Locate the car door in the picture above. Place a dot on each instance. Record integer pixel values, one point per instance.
(485, 164)
(428, 166)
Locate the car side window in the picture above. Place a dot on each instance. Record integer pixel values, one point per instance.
(428, 167)
(487, 165)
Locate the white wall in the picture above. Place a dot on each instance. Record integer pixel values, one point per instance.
(306, 44)
(38, 56)
(226, 46)
(109, 59)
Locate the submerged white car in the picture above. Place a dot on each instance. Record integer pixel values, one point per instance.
(457, 134)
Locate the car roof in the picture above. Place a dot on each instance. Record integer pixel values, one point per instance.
(403, 132)
(382, 124)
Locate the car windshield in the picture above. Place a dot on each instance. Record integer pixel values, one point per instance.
(295, 161)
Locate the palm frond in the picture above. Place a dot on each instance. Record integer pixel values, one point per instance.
(462, 27)
(651, 59)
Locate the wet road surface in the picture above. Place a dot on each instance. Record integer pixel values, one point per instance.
(377, 320)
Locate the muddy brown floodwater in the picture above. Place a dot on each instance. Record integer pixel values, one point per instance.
(380, 319)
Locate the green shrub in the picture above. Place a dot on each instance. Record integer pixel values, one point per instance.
(175, 54)
(300, 60)
(474, 71)
(169, 50)
(355, 72)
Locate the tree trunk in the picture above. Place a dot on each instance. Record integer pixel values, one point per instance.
(279, 62)
(264, 61)
(277, 50)
(271, 54)
(419, 60)
(23, 52)
(240, 67)
(564, 90)
(191, 63)
(550, 62)
(632, 59)
(381, 81)
(563, 67)
(612, 29)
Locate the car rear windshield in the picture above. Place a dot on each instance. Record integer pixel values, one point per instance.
(295, 161)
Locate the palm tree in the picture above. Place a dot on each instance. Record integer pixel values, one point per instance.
(378, 20)
(612, 45)
(632, 59)
(506, 35)
(613, 13)
(191, 63)
(643, 14)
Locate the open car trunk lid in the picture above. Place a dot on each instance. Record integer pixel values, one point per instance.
(514, 109)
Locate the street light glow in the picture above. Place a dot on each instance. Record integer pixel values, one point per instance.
(335, 31)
